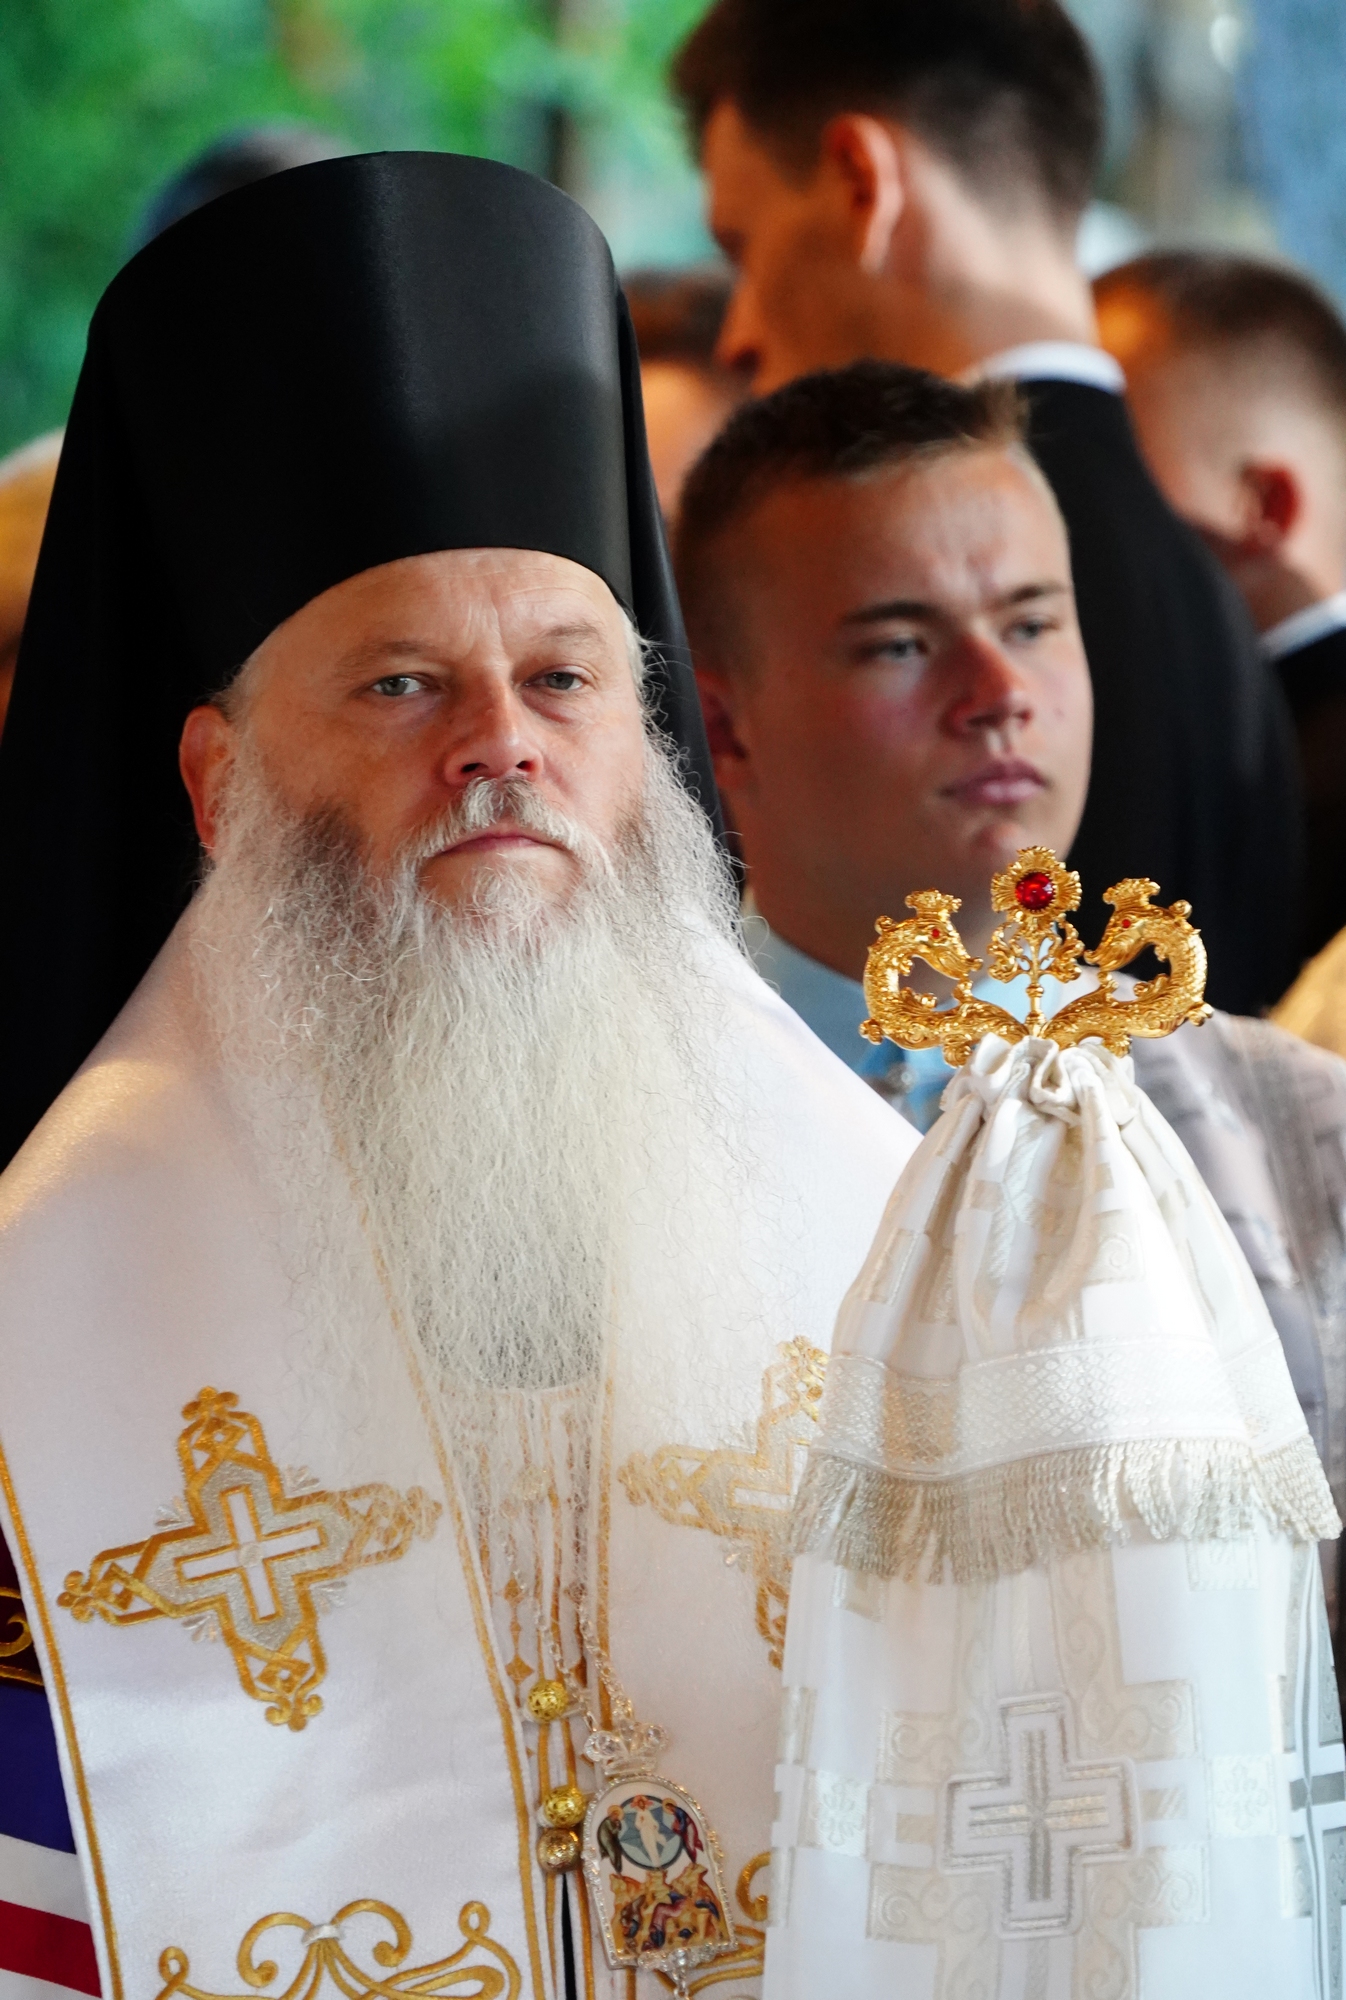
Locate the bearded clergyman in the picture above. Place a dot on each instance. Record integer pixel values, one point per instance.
(425, 1229)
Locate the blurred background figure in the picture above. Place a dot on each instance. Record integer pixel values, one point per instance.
(1236, 378)
(235, 161)
(908, 183)
(1315, 1006)
(26, 478)
(1222, 127)
(677, 317)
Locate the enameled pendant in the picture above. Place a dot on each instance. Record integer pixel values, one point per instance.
(651, 1864)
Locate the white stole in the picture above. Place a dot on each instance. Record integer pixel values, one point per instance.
(137, 1268)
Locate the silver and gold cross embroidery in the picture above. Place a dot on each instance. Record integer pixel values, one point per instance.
(249, 1556)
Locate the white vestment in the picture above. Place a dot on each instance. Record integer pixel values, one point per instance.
(1060, 1718)
(394, 1824)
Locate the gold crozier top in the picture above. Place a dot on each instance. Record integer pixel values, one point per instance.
(1035, 894)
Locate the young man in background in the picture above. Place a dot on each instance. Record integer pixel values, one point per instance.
(1236, 381)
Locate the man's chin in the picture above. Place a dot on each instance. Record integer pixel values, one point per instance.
(525, 880)
(970, 861)
(998, 839)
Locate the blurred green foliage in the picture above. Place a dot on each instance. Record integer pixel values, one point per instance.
(102, 100)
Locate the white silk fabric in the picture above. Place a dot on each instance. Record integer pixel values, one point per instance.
(1060, 1719)
(139, 1264)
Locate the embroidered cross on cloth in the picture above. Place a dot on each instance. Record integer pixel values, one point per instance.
(1059, 1709)
(250, 1555)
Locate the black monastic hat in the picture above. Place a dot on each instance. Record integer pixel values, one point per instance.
(352, 362)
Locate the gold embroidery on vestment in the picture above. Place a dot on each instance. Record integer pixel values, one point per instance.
(18, 1659)
(473, 1576)
(326, 1961)
(745, 1496)
(753, 1907)
(250, 1562)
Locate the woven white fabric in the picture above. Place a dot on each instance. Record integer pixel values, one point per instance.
(1055, 1338)
(1060, 1717)
(1116, 1773)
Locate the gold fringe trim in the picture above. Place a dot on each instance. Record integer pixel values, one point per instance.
(1007, 1518)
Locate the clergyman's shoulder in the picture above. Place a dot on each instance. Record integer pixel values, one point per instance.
(140, 1097)
(806, 1081)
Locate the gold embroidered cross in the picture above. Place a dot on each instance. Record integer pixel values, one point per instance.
(248, 1560)
(745, 1496)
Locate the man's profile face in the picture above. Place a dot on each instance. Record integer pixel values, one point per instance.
(799, 300)
(384, 698)
(909, 702)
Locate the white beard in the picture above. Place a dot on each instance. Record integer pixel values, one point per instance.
(505, 1088)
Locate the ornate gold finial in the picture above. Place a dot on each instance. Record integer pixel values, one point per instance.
(1037, 895)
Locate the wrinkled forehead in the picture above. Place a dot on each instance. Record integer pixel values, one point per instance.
(461, 597)
(457, 607)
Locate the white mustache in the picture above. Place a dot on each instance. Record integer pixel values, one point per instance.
(490, 802)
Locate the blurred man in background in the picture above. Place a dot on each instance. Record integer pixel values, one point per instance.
(1236, 378)
(877, 588)
(26, 479)
(677, 316)
(907, 183)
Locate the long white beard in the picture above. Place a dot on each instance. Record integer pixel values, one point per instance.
(505, 1088)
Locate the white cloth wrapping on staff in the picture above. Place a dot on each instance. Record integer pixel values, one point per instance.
(1059, 1713)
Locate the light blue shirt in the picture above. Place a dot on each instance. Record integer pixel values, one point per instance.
(834, 1006)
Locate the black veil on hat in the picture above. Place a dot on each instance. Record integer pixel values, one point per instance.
(352, 362)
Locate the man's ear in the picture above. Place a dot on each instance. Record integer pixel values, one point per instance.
(1272, 502)
(205, 759)
(865, 153)
(719, 709)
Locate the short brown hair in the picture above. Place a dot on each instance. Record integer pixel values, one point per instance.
(834, 424)
(1209, 300)
(1004, 89)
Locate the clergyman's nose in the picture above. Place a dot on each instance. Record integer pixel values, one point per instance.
(493, 742)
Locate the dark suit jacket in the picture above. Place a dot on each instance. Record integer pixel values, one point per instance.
(1194, 775)
(1314, 679)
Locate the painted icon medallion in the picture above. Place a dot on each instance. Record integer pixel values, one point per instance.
(651, 1865)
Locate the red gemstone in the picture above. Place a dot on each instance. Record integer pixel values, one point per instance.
(1034, 892)
(935, 934)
